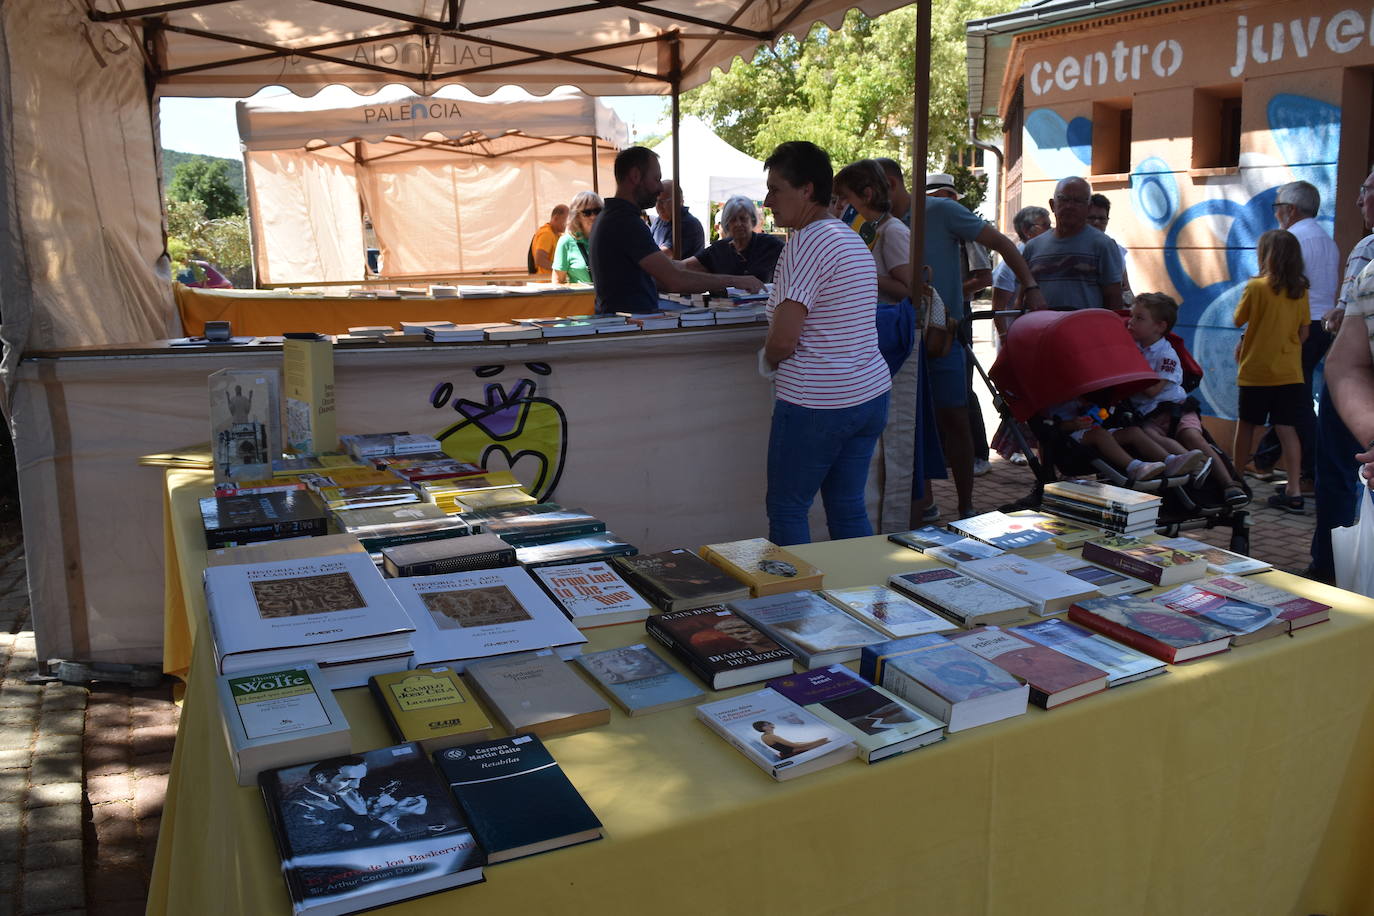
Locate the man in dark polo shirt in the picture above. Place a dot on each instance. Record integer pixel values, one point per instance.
(628, 267)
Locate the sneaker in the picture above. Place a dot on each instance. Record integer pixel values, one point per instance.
(1018, 459)
(1145, 470)
(1186, 463)
(932, 513)
(1235, 496)
(1285, 503)
(1268, 475)
(1201, 473)
(981, 467)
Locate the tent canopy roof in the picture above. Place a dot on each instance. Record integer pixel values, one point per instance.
(395, 114)
(604, 47)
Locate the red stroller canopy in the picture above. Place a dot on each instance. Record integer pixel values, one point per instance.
(1052, 357)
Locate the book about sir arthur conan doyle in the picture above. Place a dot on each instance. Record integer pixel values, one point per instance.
(721, 648)
(361, 831)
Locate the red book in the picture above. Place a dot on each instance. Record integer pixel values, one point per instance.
(1155, 563)
(1053, 677)
(1151, 628)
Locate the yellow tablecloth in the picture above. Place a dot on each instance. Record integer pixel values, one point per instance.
(265, 313)
(1239, 784)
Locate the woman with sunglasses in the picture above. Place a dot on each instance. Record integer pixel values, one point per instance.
(571, 258)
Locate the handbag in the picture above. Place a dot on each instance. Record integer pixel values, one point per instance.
(938, 326)
(1352, 548)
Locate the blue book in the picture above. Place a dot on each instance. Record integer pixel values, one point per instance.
(638, 680)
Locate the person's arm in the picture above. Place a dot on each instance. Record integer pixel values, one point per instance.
(693, 264)
(977, 281)
(1156, 388)
(1350, 375)
(560, 276)
(1303, 330)
(1032, 298)
(1111, 296)
(672, 277)
(896, 283)
(784, 333)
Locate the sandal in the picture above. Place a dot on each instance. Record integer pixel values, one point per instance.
(1293, 504)
(1235, 496)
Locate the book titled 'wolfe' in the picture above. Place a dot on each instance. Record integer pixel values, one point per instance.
(357, 832)
(279, 716)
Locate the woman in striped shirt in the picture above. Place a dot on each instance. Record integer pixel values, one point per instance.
(830, 380)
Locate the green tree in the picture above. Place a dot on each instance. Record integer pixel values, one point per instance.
(223, 241)
(208, 181)
(849, 90)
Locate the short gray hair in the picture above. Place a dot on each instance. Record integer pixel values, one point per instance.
(736, 205)
(1027, 217)
(1304, 197)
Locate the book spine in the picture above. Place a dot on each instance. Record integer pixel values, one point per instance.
(1121, 562)
(453, 564)
(279, 837)
(1122, 634)
(387, 713)
(1082, 512)
(1105, 502)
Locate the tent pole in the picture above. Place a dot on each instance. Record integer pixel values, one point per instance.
(675, 47)
(920, 142)
(596, 167)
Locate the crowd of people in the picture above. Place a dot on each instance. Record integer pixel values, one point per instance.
(848, 251)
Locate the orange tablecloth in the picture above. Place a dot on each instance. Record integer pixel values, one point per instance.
(265, 313)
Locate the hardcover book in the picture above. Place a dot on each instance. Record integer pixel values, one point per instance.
(447, 555)
(1054, 679)
(945, 679)
(357, 832)
(329, 610)
(464, 616)
(888, 612)
(328, 545)
(430, 706)
(763, 566)
(592, 594)
(1002, 531)
(245, 422)
(369, 496)
(261, 516)
(1103, 494)
(308, 384)
(679, 580)
(279, 716)
(1122, 663)
(1219, 562)
(537, 692)
(962, 551)
(1106, 581)
(1152, 628)
(529, 529)
(390, 526)
(1248, 622)
(517, 798)
(783, 739)
(965, 600)
(876, 720)
(1048, 591)
(587, 549)
(922, 539)
(721, 648)
(1296, 611)
(808, 626)
(638, 680)
(1153, 562)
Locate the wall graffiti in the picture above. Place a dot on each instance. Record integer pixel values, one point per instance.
(1304, 131)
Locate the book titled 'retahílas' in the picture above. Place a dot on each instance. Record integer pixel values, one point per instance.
(517, 798)
(780, 737)
(537, 692)
(1054, 678)
(763, 566)
(1151, 561)
(719, 646)
(1152, 628)
(430, 706)
(361, 831)
(948, 681)
(679, 580)
(638, 680)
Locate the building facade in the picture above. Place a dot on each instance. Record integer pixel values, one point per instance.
(1188, 116)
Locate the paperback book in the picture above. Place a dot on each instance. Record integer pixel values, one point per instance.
(1219, 562)
(1106, 581)
(763, 566)
(1122, 663)
(586, 549)
(888, 612)
(1065, 534)
(1247, 621)
(245, 422)
(965, 600)
(368, 496)
(811, 628)
(279, 716)
(430, 706)
(537, 692)
(1151, 561)
(529, 529)
(308, 384)
(783, 739)
(1151, 628)
(679, 580)
(876, 720)
(1047, 590)
(362, 831)
(721, 648)
(1296, 611)
(517, 798)
(389, 526)
(1001, 530)
(1054, 679)
(464, 616)
(962, 551)
(638, 680)
(593, 594)
(946, 680)
(922, 539)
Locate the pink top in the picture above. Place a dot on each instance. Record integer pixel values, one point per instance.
(827, 268)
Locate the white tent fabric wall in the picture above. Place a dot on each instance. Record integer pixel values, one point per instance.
(712, 170)
(306, 221)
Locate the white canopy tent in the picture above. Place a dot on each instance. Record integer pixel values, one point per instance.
(711, 170)
(452, 182)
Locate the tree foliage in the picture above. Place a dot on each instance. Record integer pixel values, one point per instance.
(209, 181)
(223, 241)
(848, 90)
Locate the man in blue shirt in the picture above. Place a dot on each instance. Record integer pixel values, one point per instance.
(1078, 266)
(693, 236)
(628, 267)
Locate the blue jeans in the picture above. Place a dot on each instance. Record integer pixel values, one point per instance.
(812, 450)
(1336, 488)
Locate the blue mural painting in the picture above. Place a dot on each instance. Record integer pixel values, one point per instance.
(1305, 131)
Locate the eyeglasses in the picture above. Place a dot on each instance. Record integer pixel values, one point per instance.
(590, 211)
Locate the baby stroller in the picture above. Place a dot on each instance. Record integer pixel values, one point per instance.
(1051, 357)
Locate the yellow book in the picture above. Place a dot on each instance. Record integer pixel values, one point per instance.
(493, 499)
(308, 390)
(763, 566)
(358, 477)
(431, 706)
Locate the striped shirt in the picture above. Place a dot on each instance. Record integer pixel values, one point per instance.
(827, 269)
(1362, 254)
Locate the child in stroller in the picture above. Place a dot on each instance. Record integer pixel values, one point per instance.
(1085, 423)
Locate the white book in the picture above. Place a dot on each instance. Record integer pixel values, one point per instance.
(779, 736)
(1049, 591)
(279, 716)
(1219, 562)
(964, 599)
(329, 610)
(962, 551)
(593, 594)
(811, 628)
(513, 332)
(948, 681)
(462, 617)
(888, 611)
(1106, 581)
(1122, 663)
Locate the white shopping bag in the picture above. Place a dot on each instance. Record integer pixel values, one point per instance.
(1353, 547)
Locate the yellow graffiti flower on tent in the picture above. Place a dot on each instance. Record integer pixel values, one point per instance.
(517, 425)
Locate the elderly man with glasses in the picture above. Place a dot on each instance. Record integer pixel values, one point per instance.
(1076, 266)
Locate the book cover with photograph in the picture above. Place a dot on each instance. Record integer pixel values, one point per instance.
(719, 646)
(245, 422)
(888, 611)
(1010, 534)
(1247, 621)
(922, 539)
(1122, 663)
(638, 680)
(945, 679)
(1220, 562)
(776, 734)
(963, 550)
(679, 580)
(1148, 560)
(811, 628)
(1296, 610)
(878, 721)
(1152, 628)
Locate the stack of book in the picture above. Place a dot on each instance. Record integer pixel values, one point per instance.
(455, 333)
(372, 445)
(388, 526)
(1113, 509)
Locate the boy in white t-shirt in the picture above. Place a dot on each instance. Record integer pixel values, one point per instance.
(1152, 317)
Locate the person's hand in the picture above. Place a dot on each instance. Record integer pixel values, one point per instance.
(748, 283)
(1366, 458)
(1331, 322)
(1034, 300)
